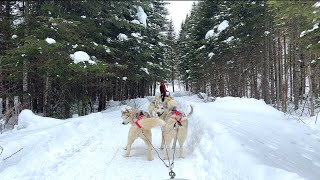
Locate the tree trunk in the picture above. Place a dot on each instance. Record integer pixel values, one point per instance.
(272, 73)
(291, 65)
(277, 76)
(295, 79)
(280, 75)
(285, 86)
(172, 77)
(265, 72)
(26, 97)
(155, 87)
(46, 108)
(311, 95)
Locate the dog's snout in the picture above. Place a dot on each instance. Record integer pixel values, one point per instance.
(123, 123)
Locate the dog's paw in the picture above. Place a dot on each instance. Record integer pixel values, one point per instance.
(126, 155)
(150, 158)
(125, 148)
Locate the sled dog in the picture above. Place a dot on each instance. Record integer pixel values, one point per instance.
(154, 105)
(141, 125)
(176, 128)
(170, 102)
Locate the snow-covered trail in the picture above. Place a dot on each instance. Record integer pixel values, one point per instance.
(231, 138)
(88, 147)
(277, 145)
(265, 136)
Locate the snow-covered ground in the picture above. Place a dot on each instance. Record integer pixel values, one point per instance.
(230, 138)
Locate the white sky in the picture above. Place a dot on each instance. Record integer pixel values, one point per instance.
(178, 11)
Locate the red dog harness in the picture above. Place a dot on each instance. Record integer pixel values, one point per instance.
(177, 113)
(139, 116)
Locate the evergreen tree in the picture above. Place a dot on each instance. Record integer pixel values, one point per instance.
(171, 41)
(120, 36)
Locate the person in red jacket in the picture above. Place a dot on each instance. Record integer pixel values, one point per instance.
(163, 90)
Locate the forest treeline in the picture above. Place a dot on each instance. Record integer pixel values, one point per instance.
(128, 40)
(266, 50)
(259, 49)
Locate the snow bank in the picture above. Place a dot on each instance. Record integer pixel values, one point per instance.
(238, 104)
(27, 119)
(47, 144)
(224, 153)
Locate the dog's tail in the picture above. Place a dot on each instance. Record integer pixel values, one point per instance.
(149, 123)
(190, 113)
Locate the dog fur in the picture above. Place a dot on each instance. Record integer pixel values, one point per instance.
(146, 123)
(154, 105)
(171, 130)
(170, 102)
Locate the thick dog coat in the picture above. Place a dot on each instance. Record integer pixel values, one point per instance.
(170, 102)
(176, 128)
(154, 105)
(140, 127)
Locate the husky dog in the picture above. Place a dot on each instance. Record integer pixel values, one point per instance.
(141, 125)
(176, 127)
(170, 102)
(154, 105)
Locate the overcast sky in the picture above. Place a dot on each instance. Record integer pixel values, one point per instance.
(178, 11)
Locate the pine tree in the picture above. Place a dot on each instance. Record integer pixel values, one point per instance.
(126, 49)
(171, 41)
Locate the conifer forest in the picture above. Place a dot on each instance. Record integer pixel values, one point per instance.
(268, 50)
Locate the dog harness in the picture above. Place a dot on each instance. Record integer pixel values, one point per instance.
(139, 116)
(177, 117)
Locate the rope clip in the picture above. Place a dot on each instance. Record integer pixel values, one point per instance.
(172, 174)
